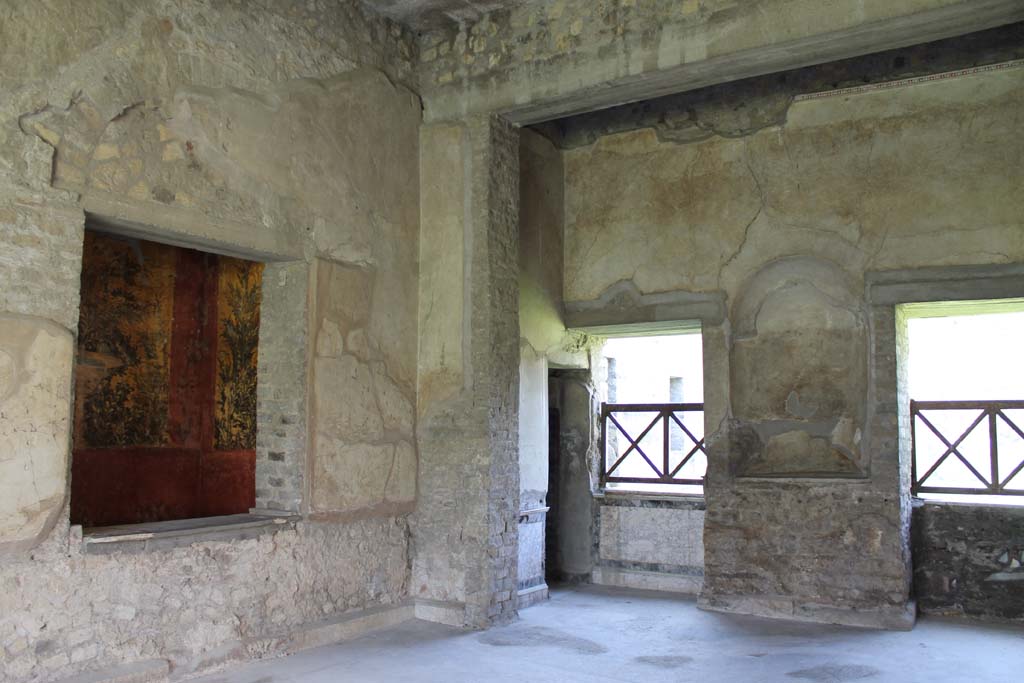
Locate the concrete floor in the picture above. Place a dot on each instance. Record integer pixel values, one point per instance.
(596, 634)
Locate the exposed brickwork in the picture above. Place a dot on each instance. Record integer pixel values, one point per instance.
(499, 352)
(281, 388)
(505, 39)
(889, 427)
(538, 60)
(810, 543)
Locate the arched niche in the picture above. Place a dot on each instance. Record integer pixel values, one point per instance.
(798, 372)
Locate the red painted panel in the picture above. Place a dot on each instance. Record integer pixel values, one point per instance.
(127, 484)
(228, 482)
(192, 351)
(131, 485)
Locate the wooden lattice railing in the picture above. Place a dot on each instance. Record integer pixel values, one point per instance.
(669, 461)
(1001, 468)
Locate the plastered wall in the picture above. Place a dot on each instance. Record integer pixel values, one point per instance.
(465, 529)
(543, 340)
(279, 133)
(807, 508)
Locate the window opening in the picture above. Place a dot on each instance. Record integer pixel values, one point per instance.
(165, 383)
(966, 387)
(652, 421)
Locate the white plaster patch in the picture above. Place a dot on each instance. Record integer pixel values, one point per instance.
(653, 535)
(35, 380)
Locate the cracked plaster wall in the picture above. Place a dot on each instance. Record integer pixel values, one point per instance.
(807, 509)
(243, 128)
(465, 528)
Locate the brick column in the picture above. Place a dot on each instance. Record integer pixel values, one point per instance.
(281, 386)
(465, 537)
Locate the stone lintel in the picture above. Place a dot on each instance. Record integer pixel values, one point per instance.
(945, 283)
(624, 309)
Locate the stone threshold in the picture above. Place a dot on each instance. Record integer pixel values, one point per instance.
(159, 535)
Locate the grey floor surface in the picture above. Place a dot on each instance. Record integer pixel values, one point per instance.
(597, 634)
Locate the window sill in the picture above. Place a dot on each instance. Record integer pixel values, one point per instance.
(990, 504)
(181, 532)
(680, 500)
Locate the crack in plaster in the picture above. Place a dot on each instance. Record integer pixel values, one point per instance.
(750, 223)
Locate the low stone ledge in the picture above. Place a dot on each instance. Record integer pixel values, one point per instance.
(145, 671)
(528, 597)
(329, 631)
(441, 612)
(892, 618)
(171, 534)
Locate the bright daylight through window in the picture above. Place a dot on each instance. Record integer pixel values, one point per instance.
(653, 415)
(966, 385)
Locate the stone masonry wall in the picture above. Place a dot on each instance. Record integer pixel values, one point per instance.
(465, 525)
(969, 560)
(197, 606)
(807, 498)
(649, 543)
(497, 350)
(242, 128)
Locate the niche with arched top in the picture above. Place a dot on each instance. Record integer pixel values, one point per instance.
(798, 365)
